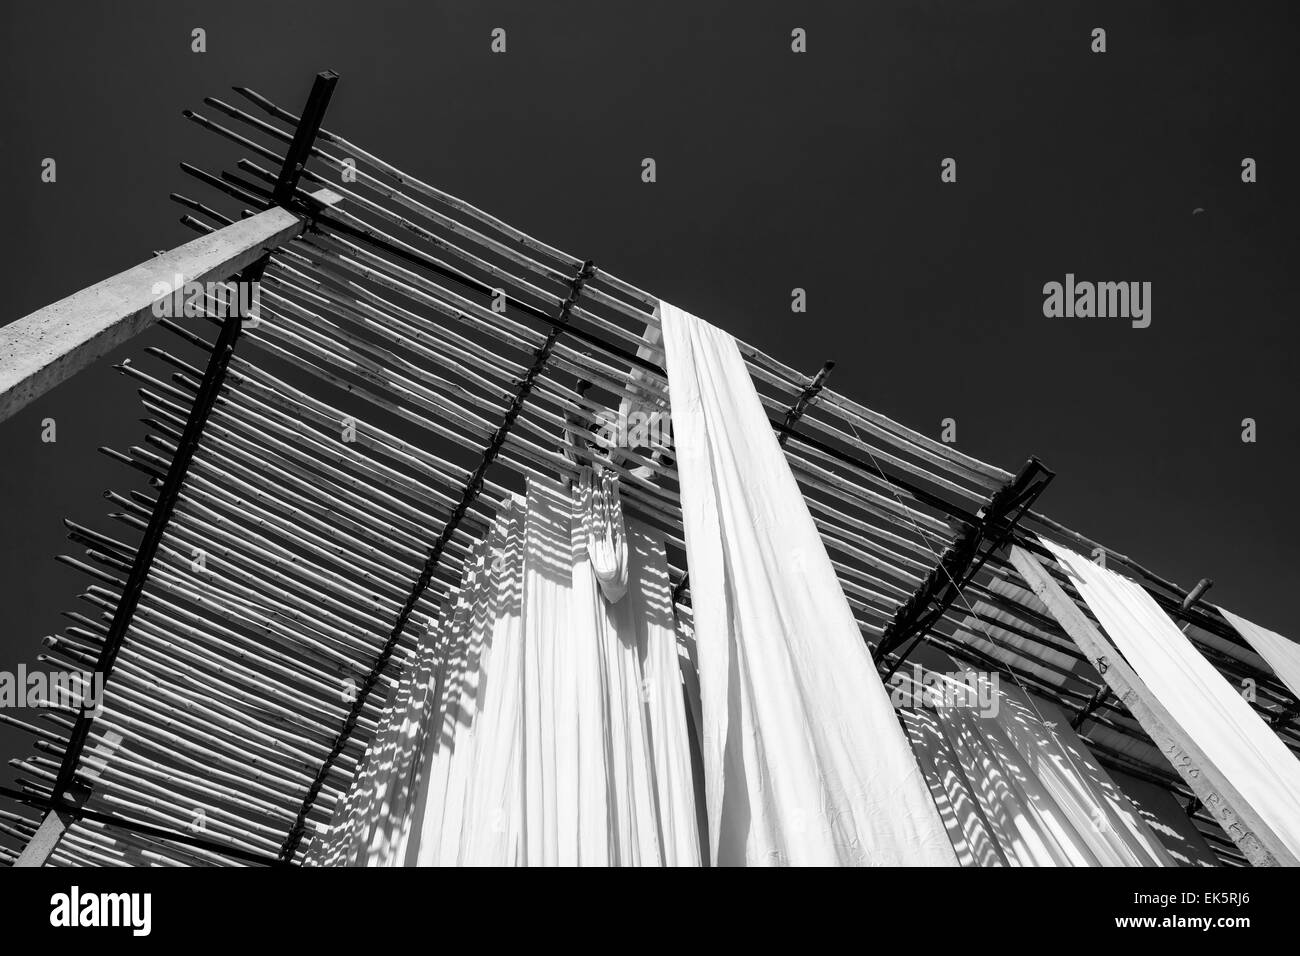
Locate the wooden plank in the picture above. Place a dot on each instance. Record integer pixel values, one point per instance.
(40, 350)
(47, 835)
(1260, 845)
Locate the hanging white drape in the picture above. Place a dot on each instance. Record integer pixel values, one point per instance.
(369, 828)
(482, 827)
(1209, 709)
(373, 825)
(491, 819)
(618, 771)
(552, 680)
(606, 756)
(442, 805)
(1019, 788)
(804, 760)
(1281, 653)
(545, 725)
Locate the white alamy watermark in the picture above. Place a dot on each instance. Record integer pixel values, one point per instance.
(185, 298)
(930, 689)
(75, 908)
(1082, 299)
(37, 688)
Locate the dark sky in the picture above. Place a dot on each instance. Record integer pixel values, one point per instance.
(775, 170)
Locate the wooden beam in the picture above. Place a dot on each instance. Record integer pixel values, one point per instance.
(304, 136)
(39, 351)
(1260, 845)
(47, 835)
(959, 564)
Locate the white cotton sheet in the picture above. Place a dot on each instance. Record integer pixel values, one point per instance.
(601, 509)
(371, 826)
(688, 663)
(804, 760)
(1281, 653)
(1019, 788)
(618, 804)
(545, 726)
(606, 756)
(449, 754)
(664, 696)
(494, 794)
(1205, 706)
(550, 751)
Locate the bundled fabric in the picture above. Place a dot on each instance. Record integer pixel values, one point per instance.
(804, 760)
(1015, 786)
(548, 727)
(601, 510)
(1207, 708)
(1281, 653)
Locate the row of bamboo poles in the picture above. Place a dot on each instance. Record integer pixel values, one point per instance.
(335, 457)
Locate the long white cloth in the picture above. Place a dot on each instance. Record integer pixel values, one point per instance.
(369, 829)
(1281, 653)
(804, 760)
(600, 508)
(492, 819)
(1207, 707)
(1019, 788)
(606, 755)
(553, 676)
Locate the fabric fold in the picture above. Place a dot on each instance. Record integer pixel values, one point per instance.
(804, 759)
(1017, 787)
(1280, 653)
(1207, 708)
(605, 539)
(543, 725)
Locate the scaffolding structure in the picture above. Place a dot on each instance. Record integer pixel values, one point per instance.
(319, 480)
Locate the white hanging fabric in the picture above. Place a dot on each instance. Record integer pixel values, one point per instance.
(545, 725)
(618, 786)
(804, 759)
(493, 796)
(688, 664)
(372, 826)
(550, 757)
(666, 705)
(601, 507)
(1281, 653)
(1017, 787)
(606, 756)
(442, 804)
(1209, 709)
(368, 828)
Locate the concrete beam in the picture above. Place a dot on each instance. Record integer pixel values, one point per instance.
(1257, 842)
(40, 350)
(52, 828)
